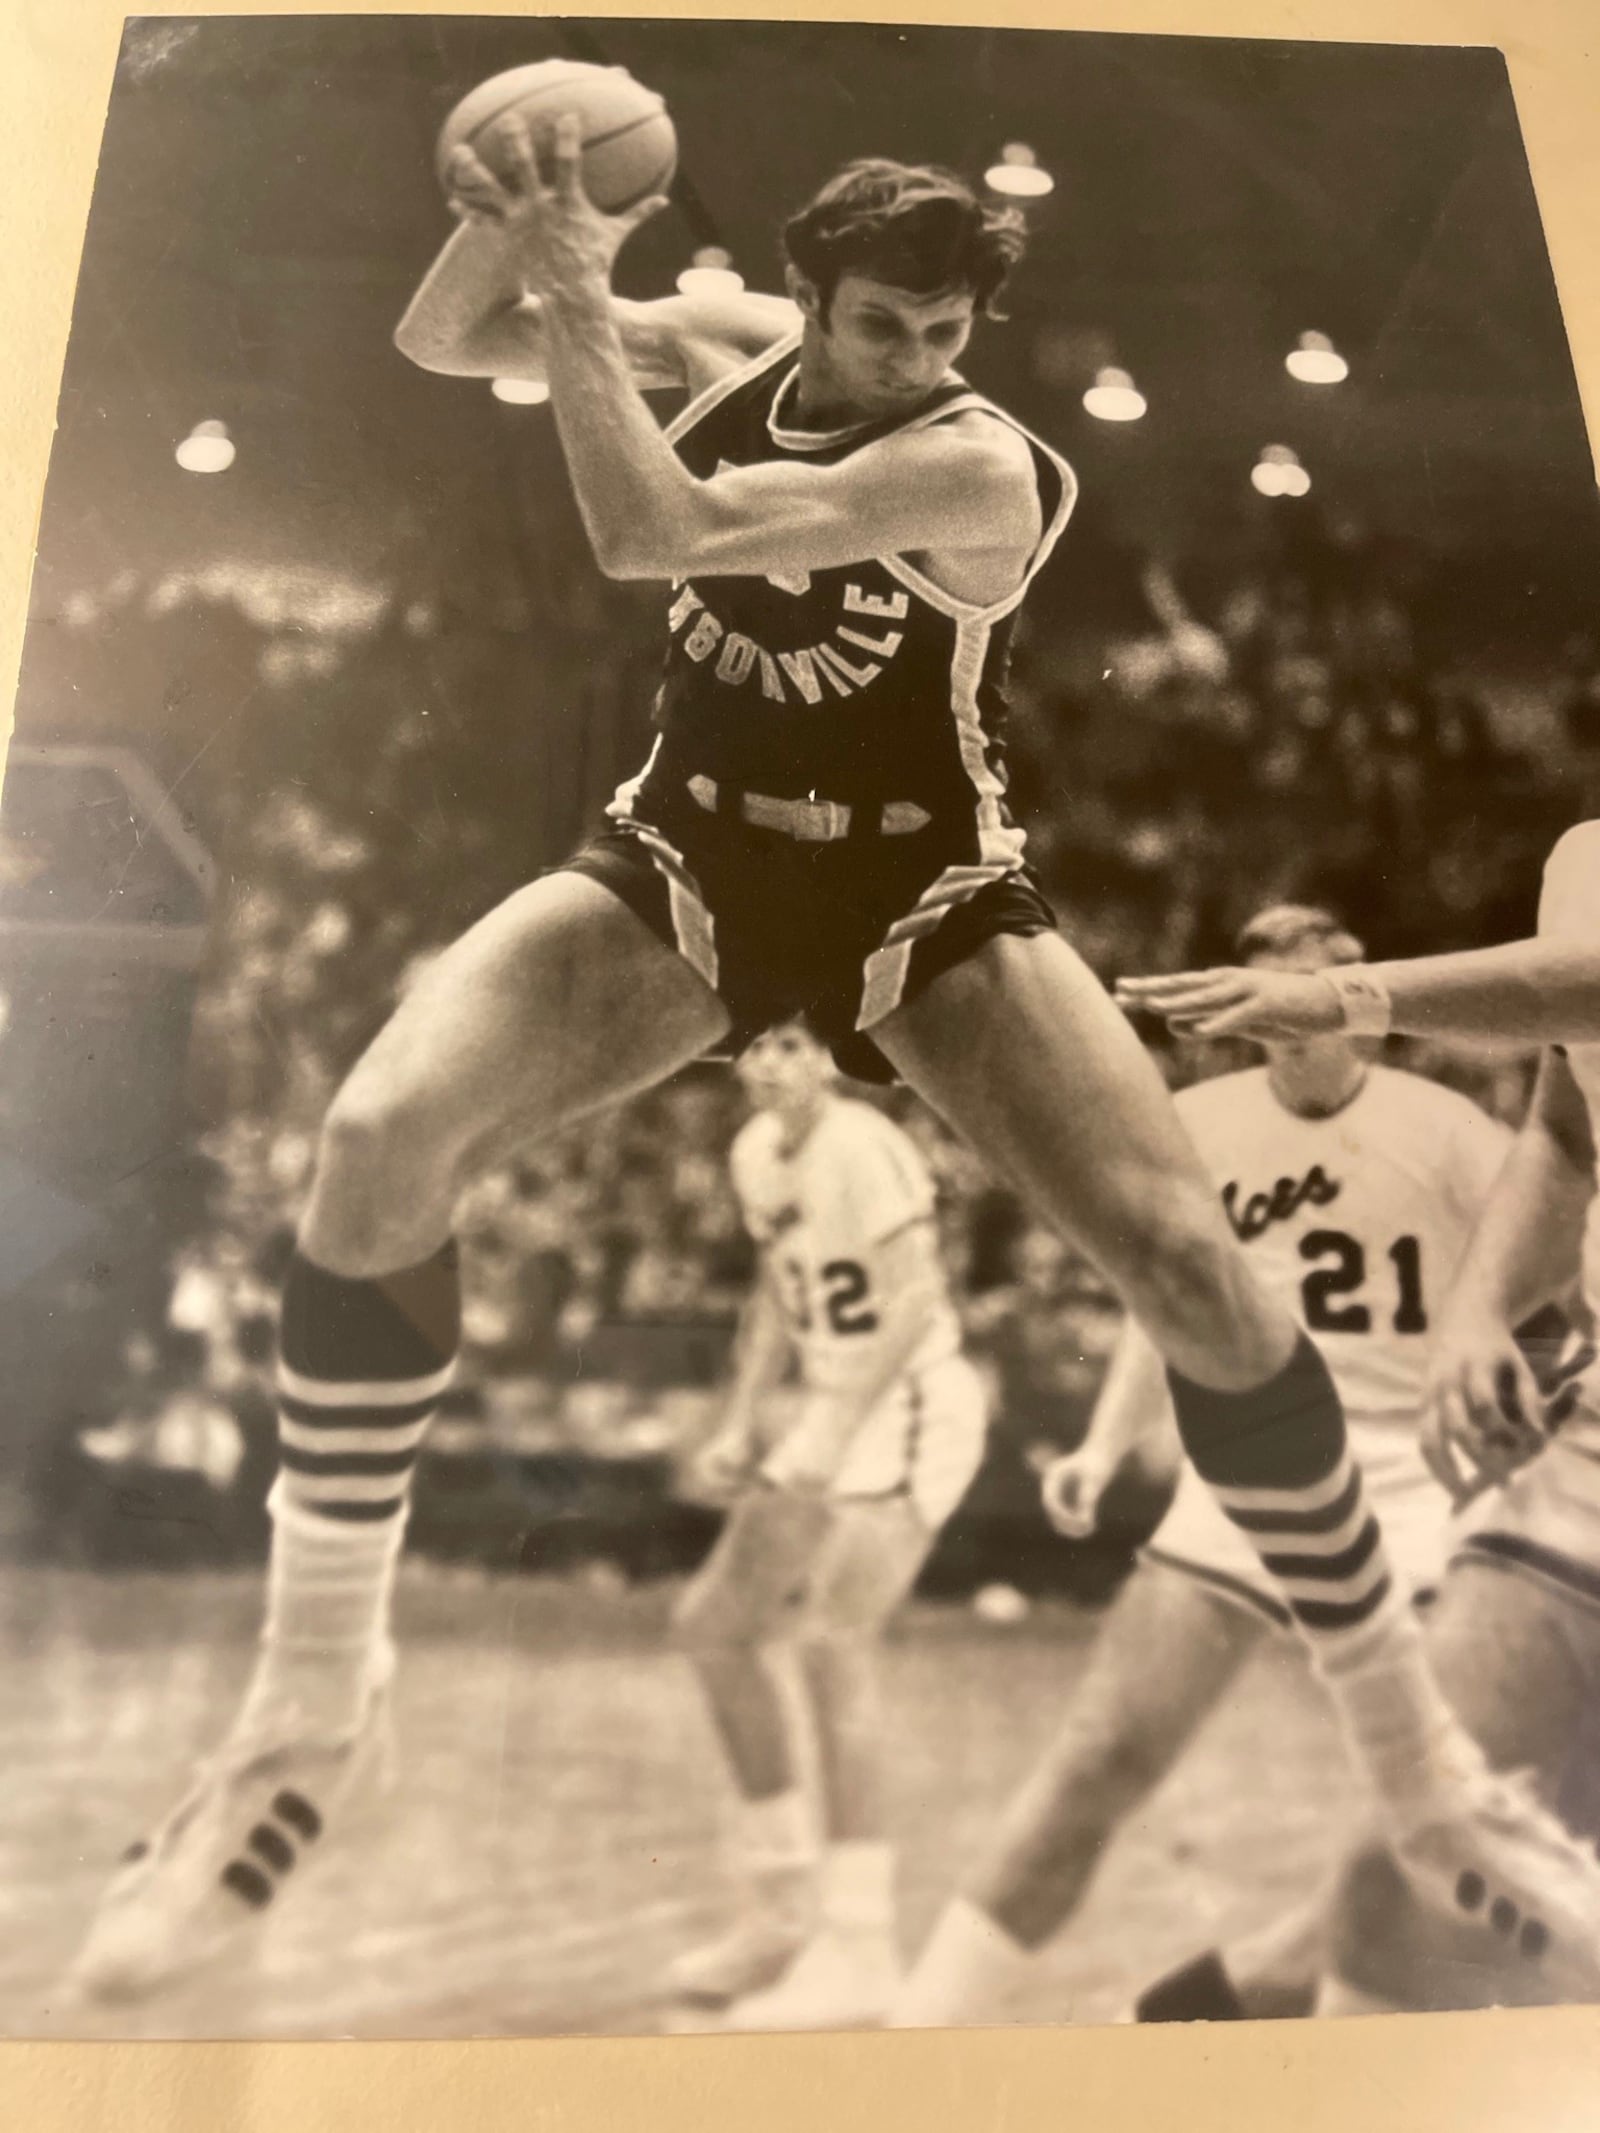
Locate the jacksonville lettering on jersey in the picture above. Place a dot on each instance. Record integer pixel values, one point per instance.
(818, 1213)
(864, 684)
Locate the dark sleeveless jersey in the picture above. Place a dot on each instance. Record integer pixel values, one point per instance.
(864, 683)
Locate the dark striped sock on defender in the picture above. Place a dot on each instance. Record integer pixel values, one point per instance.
(1278, 1462)
(362, 1367)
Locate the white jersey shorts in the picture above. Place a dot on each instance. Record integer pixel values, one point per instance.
(924, 1440)
(1198, 1538)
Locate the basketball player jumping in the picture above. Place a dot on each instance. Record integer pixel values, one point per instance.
(842, 1207)
(1518, 1639)
(850, 531)
(1354, 1190)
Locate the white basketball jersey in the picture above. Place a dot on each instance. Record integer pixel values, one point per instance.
(1569, 909)
(1357, 1222)
(817, 1212)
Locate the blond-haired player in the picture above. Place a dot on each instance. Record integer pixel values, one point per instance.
(828, 1530)
(1353, 1188)
(1517, 1636)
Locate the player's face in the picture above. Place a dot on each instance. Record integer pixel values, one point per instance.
(886, 350)
(784, 1070)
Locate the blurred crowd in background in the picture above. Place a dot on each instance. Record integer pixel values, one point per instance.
(1294, 729)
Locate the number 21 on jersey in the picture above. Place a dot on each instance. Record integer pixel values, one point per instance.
(1339, 1272)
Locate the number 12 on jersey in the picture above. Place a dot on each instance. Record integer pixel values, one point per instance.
(1343, 1273)
(845, 1304)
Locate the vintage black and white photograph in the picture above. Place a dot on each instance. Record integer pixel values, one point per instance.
(800, 1044)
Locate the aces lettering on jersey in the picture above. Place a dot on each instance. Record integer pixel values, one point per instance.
(796, 675)
(1333, 1292)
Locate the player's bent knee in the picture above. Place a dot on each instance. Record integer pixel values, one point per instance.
(384, 1187)
(1186, 1275)
(838, 1645)
(711, 1618)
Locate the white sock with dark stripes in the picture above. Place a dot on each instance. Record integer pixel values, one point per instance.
(1277, 1460)
(362, 1367)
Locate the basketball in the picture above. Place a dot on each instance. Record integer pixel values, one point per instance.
(629, 147)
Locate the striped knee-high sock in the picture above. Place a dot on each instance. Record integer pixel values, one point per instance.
(1278, 1461)
(362, 1367)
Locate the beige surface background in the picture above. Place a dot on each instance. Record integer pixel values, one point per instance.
(1511, 2073)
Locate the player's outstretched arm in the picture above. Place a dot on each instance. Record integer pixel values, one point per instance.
(1534, 992)
(1483, 1411)
(1132, 1419)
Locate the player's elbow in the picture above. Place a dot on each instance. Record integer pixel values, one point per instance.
(422, 346)
(621, 554)
(626, 547)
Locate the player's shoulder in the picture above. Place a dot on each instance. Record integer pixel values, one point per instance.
(755, 1148)
(718, 331)
(980, 444)
(1416, 1102)
(852, 1122)
(860, 1133)
(1221, 1097)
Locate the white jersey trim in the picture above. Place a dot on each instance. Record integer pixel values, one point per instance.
(713, 396)
(951, 604)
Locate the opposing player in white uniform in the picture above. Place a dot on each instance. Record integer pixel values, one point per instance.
(1516, 1635)
(827, 1533)
(1354, 1190)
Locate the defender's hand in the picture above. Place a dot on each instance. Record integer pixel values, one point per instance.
(563, 242)
(1483, 1412)
(1237, 1003)
(1072, 1487)
(727, 1460)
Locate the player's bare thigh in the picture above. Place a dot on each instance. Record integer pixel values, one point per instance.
(750, 1588)
(557, 1003)
(1020, 1048)
(866, 1565)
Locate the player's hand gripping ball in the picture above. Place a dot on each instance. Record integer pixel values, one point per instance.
(629, 150)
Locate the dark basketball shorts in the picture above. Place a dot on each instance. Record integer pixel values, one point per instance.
(841, 934)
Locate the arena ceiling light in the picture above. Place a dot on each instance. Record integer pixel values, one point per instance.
(1278, 472)
(208, 449)
(710, 272)
(1315, 361)
(1018, 174)
(521, 392)
(1113, 397)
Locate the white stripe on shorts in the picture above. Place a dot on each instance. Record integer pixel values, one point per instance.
(883, 975)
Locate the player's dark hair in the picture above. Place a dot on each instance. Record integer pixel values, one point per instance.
(1281, 929)
(915, 227)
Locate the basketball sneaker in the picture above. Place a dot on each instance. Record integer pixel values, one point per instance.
(752, 1955)
(846, 1978)
(1487, 1852)
(258, 1816)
